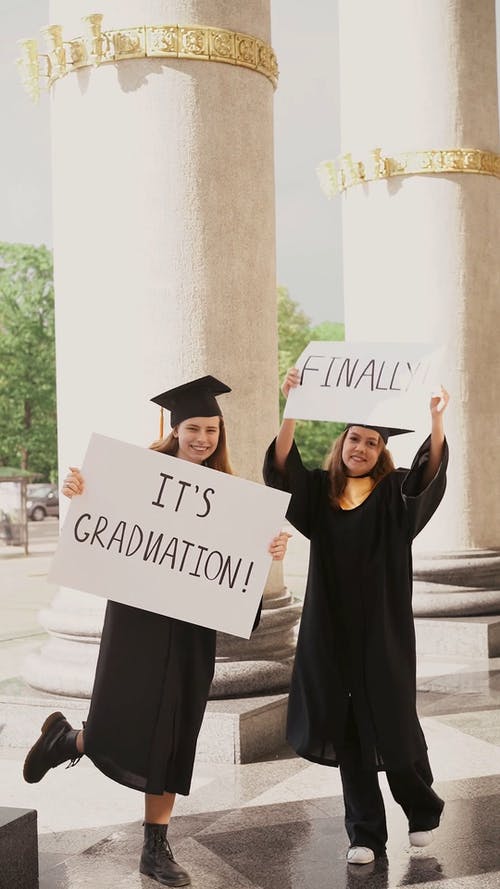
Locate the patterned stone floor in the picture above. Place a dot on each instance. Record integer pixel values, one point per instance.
(279, 822)
(273, 824)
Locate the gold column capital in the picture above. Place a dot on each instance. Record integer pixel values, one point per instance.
(98, 46)
(29, 69)
(339, 175)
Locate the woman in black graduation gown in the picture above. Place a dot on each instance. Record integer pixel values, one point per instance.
(353, 693)
(153, 673)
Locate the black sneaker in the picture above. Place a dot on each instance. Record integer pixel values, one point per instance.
(57, 744)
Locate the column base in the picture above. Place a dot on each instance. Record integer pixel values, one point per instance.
(263, 664)
(66, 665)
(456, 584)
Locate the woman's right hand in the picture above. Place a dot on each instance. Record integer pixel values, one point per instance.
(291, 381)
(73, 483)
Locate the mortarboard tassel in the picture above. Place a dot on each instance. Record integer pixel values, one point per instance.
(161, 423)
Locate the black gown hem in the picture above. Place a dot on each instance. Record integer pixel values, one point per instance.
(319, 760)
(129, 779)
(346, 758)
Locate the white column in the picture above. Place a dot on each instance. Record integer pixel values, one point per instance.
(164, 252)
(421, 258)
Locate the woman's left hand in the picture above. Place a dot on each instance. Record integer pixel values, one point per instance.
(278, 545)
(439, 403)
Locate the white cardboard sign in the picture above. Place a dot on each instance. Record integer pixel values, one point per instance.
(169, 536)
(386, 384)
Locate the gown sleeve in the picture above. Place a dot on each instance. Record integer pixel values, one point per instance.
(303, 484)
(257, 616)
(422, 502)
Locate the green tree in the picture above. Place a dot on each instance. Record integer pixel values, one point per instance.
(328, 331)
(28, 425)
(313, 437)
(293, 332)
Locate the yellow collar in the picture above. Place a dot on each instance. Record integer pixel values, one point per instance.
(356, 491)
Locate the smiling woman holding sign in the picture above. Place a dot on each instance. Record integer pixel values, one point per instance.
(154, 673)
(353, 695)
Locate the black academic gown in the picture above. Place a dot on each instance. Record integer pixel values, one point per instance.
(356, 645)
(150, 692)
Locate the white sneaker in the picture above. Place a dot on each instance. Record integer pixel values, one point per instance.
(360, 855)
(421, 838)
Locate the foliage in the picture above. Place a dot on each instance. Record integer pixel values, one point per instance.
(328, 331)
(313, 438)
(28, 430)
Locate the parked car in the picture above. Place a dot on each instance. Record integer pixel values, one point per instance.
(43, 500)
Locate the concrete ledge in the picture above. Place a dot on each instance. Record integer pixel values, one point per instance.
(242, 730)
(18, 849)
(22, 716)
(458, 636)
(234, 730)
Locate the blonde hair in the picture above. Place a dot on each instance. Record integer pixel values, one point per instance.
(218, 460)
(335, 467)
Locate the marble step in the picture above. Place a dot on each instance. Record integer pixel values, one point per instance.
(234, 730)
(18, 848)
(459, 636)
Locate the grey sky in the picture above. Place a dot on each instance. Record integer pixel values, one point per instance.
(307, 132)
(25, 142)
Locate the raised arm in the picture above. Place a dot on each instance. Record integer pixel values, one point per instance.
(284, 440)
(438, 406)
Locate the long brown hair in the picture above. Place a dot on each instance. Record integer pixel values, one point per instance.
(335, 467)
(218, 460)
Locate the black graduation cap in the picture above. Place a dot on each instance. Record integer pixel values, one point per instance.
(385, 432)
(193, 399)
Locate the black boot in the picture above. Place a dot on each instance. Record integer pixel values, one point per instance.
(157, 859)
(56, 744)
